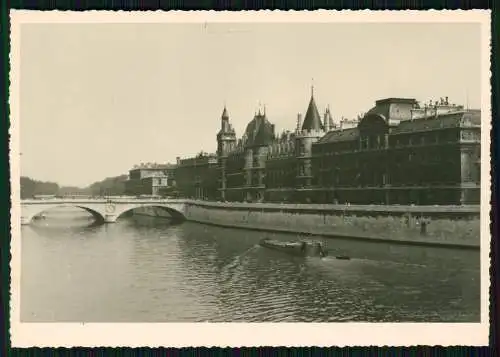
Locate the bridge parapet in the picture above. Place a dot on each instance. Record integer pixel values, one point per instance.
(106, 210)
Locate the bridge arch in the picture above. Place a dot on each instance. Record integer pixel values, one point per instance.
(96, 214)
(39, 209)
(175, 214)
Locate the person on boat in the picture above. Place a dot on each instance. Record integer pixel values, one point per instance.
(423, 226)
(303, 246)
(321, 252)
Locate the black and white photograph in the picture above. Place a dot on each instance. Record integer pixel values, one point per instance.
(324, 174)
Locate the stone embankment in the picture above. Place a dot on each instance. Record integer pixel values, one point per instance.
(452, 226)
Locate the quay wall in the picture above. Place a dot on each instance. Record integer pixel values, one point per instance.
(454, 226)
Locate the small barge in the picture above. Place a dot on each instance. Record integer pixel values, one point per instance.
(301, 248)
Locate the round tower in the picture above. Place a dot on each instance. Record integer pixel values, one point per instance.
(260, 134)
(311, 130)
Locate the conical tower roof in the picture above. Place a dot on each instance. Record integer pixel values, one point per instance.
(224, 113)
(312, 120)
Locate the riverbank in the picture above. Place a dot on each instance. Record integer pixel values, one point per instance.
(447, 226)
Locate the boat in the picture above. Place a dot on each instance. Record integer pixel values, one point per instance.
(343, 257)
(300, 248)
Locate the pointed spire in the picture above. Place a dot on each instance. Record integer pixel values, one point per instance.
(331, 123)
(225, 115)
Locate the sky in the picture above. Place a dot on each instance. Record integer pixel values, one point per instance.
(96, 99)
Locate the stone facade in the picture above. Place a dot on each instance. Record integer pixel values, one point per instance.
(198, 177)
(399, 152)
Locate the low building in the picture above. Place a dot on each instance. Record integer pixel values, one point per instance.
(150, 179)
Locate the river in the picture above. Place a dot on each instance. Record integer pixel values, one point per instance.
(142, 269)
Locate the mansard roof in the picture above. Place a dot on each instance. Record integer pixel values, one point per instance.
(446, 120)
(312, 120)
(339, 135)
(471, 118)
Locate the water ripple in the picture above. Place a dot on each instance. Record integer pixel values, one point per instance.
(138, 272)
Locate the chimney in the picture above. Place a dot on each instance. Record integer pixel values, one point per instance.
(178, 160)
(299, 122)
(326, 121)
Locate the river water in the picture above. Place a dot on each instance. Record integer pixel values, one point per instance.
(143, 269)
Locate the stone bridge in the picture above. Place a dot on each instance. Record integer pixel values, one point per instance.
(104, 210)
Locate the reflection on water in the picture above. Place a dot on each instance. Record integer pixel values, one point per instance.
(146, 270)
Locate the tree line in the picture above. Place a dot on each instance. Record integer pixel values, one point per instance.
(111, 186)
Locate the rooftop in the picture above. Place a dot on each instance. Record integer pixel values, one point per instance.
(447, 120)
(339, 135)
(259, 131)
(152, 166)
(312, 120)
(396, 100)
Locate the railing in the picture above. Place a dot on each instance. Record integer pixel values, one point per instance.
(100, 199)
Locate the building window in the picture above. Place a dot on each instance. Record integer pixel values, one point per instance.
(467, 135)
(302, 151)
(363, 143)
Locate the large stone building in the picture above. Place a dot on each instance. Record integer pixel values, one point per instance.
(399, 152)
